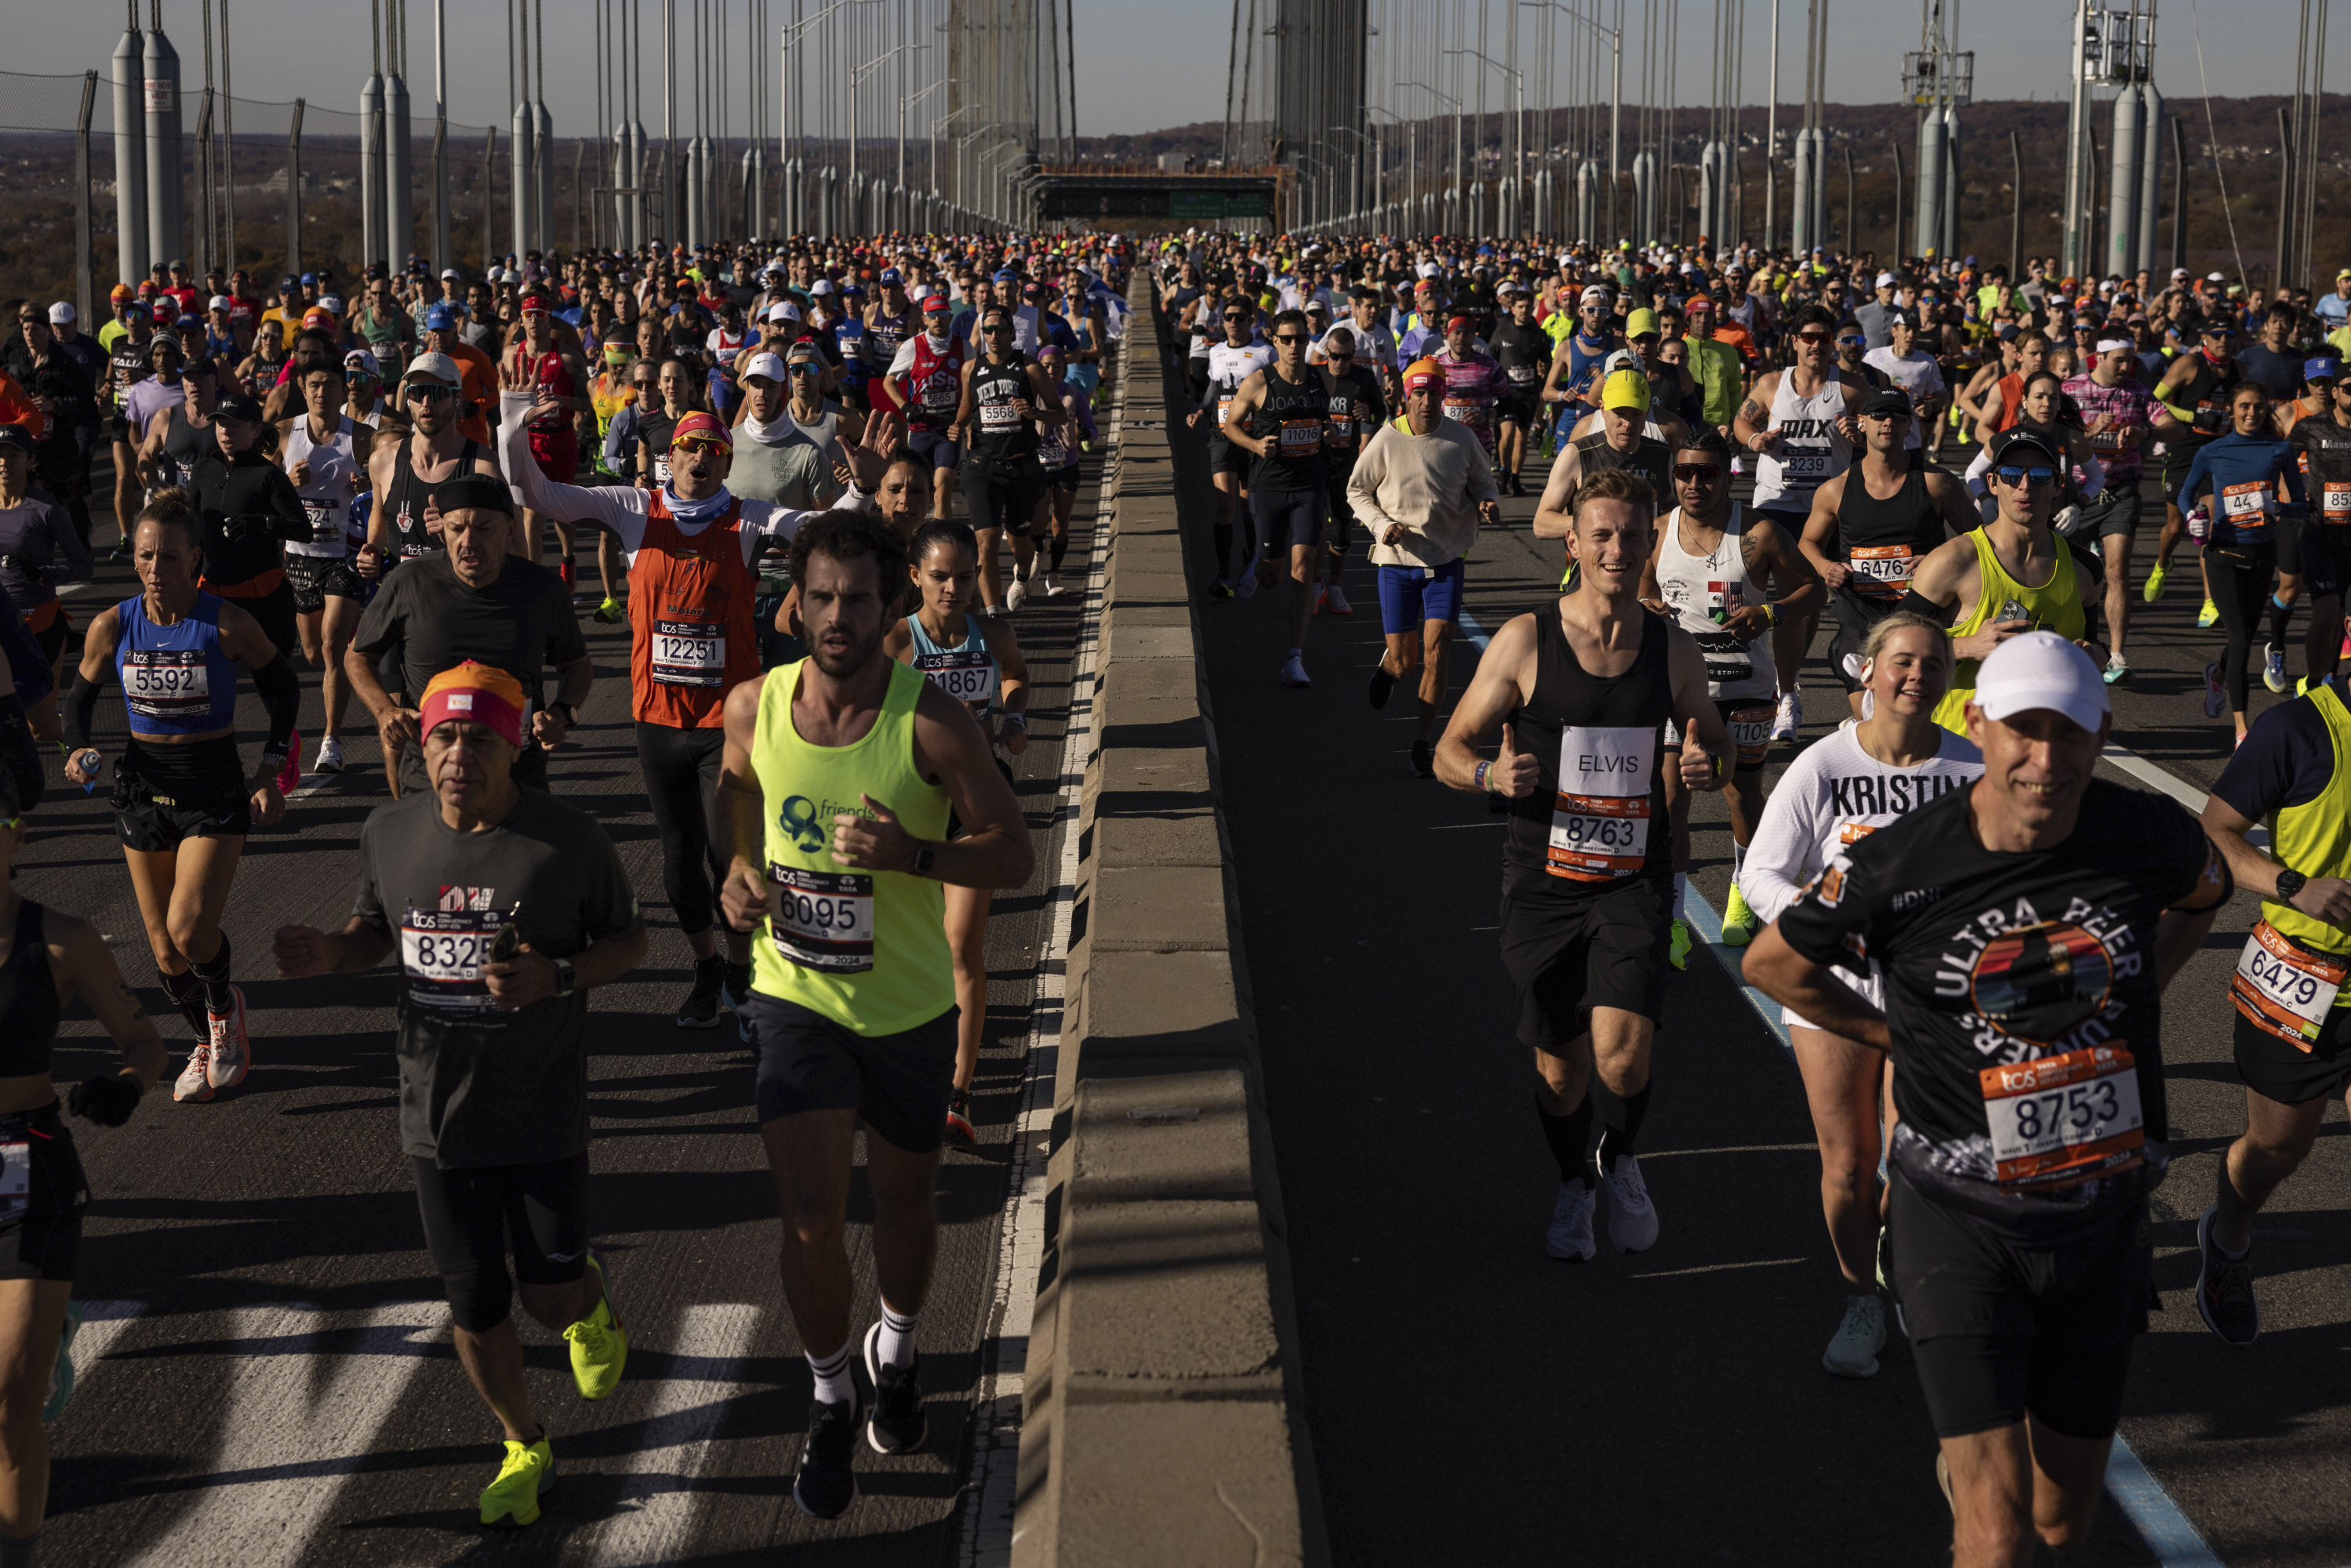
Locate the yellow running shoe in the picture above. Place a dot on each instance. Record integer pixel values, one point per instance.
(1678, 954)
(1740, 923)
(2154, 589)
(599, 1347)
(2209, 614)
(512, 1500)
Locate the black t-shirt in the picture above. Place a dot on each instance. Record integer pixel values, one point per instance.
(479, 1086)
(2278, 373)
(521, 623)
(1993, 959)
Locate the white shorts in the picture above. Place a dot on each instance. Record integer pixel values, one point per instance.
(1871, 990)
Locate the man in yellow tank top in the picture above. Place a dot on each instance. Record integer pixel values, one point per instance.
(834, 796)
(2012, 575)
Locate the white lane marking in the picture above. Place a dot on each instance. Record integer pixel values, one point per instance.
(300, 1409)
(985, 1530)
(683, 1417)
(1476, 633)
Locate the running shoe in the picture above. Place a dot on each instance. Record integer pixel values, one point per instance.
(2153, 589)
(1383, 683)
(289, 771)
(610, 612)
(700, 1009)
(2273, 667)
(734, 992)
(1245, 585)
(826, 1486)
(1335, 600)
(897, 1425)
(1294, 672)
(232, 1052)
(527, 1473)
(61, 1375)
(2224, 1287)
(1678, 945)
(1853, 1353)
(599, 1345)
(1321, 597)
(1016, 595)
(2216, 696)
(330, 756)
(1569, 1239)
(2118, 670)
(1424, 760)
(1740, 923)
(1046, 587)
(1790, 718)
(2208, 615)
(1632, 1218)
(1220, 589)
(959, 1128)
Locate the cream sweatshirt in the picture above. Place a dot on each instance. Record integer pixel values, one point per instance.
(1431, 484)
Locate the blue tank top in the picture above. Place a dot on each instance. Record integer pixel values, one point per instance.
(177, 679)
(964, 671)
(1581, 363)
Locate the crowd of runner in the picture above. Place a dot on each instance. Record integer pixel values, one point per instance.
(1968, 933)
(394, 487)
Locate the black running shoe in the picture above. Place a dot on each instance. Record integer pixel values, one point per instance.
(826, 1486)
(1382, 684)
(2224, 1288)
(898, 1424)
(1424, 760)
(700, 1009)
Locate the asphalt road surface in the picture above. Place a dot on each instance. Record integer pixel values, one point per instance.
(1472, 1400)
(266, 1375)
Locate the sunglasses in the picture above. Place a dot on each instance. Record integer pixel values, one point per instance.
(1812, 336)
(1850, 342)
(1698, 472)
(1000, 327)
(698, 443)
(803, 369)
(429, 394)
(1290, 337)
(2014, 476)
(1236, 315)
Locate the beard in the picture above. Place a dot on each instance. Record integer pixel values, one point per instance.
(841, 665)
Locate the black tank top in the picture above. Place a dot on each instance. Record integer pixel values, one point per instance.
(28, 998)
(1598, 812)
(405, 498)
(184, 442)
(1884, 541)
(654, 430)
(1652, 460)
(1001, 433)
(1292, 418)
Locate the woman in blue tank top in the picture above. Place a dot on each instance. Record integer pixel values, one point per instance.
(183, 802)
(976, 658)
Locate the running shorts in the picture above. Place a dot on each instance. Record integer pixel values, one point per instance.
(1062, 478)
(475, 1216)
(934, 447)
(40, 1229)
(1999, 1329)
(275, 610)
(1340, 532)
(314, 578)
(2115, 511)
(899, 1085)
(1003, 496)
(2276, 1070)
(2315, 552)
(1854, 623)
(1230, 457)
(1411, 596)
(1568, 955)
(557, 453)
(50, 627)
(1523, 409)
(1295, 516)
(166, 795)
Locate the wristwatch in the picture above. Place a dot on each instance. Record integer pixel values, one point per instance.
(925, 855)
(566, 712)
(2289, 883)
(566, 981)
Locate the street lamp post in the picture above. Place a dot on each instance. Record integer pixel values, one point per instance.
(1459, 195)
(1518, 114)
(1616, 37)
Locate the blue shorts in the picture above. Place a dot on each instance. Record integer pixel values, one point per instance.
(1410, 595)
(934, 446)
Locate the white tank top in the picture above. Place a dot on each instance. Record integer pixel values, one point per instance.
(1703, 591)
(326, 497)
(1811, 448)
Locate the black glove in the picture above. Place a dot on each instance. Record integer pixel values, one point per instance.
(107, 1099)
(246, 530)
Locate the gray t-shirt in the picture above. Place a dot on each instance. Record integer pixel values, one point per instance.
(479, 1086)
(1875, 321)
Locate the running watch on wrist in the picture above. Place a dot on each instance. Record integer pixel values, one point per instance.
(2289, 883)
(566, 712)
(566, 981)
(925, 855)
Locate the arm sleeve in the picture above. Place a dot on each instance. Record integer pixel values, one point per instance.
(620, 508)
(1974, 477)
(1780, 861)
(2093, 477)
(73, 563)
(281, 695)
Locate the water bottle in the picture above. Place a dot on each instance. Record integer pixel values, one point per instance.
(89, 760)
(2199, 522)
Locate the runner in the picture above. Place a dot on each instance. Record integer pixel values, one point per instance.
(1240, 356)
(2322, 436)
(402, 523)
(924, 383)
(505, 907)
(1421, 487)
(975, 659)
(1858, 778)
(39, 550)
(249, 511)
(1622, 442)
(321, 461)
(1059, 450)
(1358, 409)
(1473, 382)
(1006, 398)
(182, 803)
(2231, 489)
(1280, 415)
(853, 1002)
(2025, 928)
(1522, 349)
(2195, 392)
(1584, 694)
(555, 441)
(2120, 416)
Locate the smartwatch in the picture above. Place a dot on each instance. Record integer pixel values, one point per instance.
(2289, 883)
(926, 854)
(566, 712)
(566, 979)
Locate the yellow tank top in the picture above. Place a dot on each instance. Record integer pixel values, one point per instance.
(868, 949)
(2054, 606)
(2314, 839)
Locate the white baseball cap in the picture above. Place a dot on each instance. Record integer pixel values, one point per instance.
(783, 310)
(1886, 280)
(767, 365)
(438, 367)
(2042, 669)
(61, 313)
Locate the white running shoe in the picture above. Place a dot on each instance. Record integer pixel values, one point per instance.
(330, 756)
(1294, 672)
(1017, 595)
(1632, 1218)
(1790, 717)
(2216, 696)
(2274, 668)
(194, 1082)
(1335, 601)
(1570, 1236)
(1046, 587)
(1854, 1352)
(232, 1052)
(1245, 585)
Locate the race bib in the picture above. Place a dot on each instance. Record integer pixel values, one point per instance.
(2064, 1118)
(167, 684)
(688, 653)
(2106, 440)
(1854, 832)
(939, 395)
(441, 952)
(1600, 819)
(2247, 506)
(1882, 572)
(967, 675)
(1301, 437)
(1463, 412)
(999, 416)
(1520, 375)
(1751, 733)
(822, 920)
(2335, 501)
(1224, 410)
(325, 526)
(660, 469)
(2283, 989)
(1804, 464)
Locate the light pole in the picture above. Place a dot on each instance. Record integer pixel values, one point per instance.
(1459, 195)
(1517, 113)
(1355, 194)
(1616, 37)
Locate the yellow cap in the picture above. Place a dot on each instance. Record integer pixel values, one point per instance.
(1626, 389)
(1640, 324)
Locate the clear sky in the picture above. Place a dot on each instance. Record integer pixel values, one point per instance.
(1143, 64)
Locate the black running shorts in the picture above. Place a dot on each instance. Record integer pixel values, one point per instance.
(477, 1216)
(2277, 1070)
(1570, 954)
(898, 1083)
(40, 1231)
(314, 577)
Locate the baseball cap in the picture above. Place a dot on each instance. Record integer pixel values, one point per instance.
(448, 272)
(1626, 389)
(361, 360)
(2005, 330)
(2040, 670)
(16, 438)
(483, 694)
(820, 286)
(767, 365)
(1596, 293)
(535, 305)
(2324, 367)
(2009, 441)
(1886, 402)
(217, 302)
(1640, 324)
(933, 302)
(1886, 280)
(238, 408)
(189, 322)
(61, 313)
(439, 367)
(1420, 373)
(288, 280)
(440, 319)
(890, 275)
(705, 426)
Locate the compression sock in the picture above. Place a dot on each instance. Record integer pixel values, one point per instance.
(1568, 1135)
(1615, 1142)
(895, 1346)
(738, 978)
(2280, 613)
(187, 994)
(833, 1386)
(1222, 534)
(1681, 885)
(1061, 549)
(1738, 859)
(213, 973)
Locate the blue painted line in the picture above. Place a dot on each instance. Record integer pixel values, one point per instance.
(1474, 632)
(2158, 1520)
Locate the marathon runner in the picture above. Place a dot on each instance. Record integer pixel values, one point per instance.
(2120, 415)
(1857, 780)
(2232, 491)
(320, 453)
(1473, 382)
(402, 523)
(1280, 415)
(555, 440)
(862, 760)
(1622, 442)
(1572, 382)
(1059, 449)
(2322, 436)
(2025, 928)
(1358, 408)
(1584, 694)
(505, 907)
(39, 551)
(924, 383)
(1421, 487)
(182, 802)
(1238, 357)
(1522, 349)
(1006, 398)
(2195, 392)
